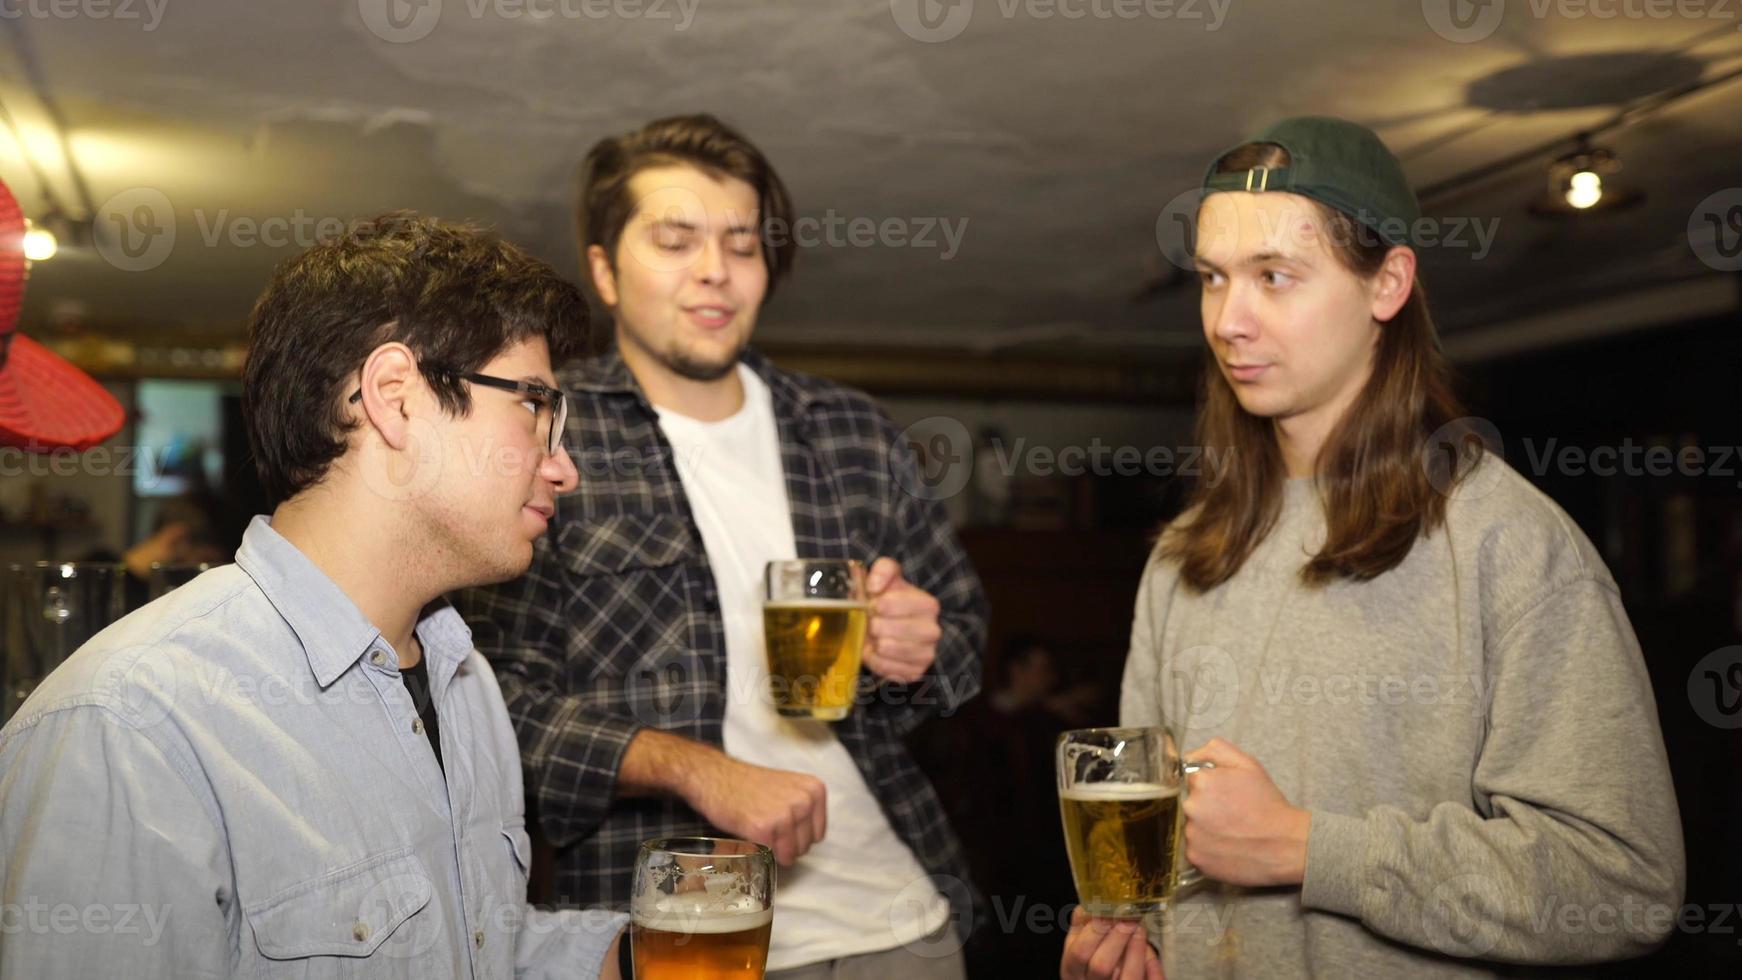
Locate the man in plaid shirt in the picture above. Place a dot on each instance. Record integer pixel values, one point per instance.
(631, 653)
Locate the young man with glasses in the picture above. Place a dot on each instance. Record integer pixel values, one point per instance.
(298, 765)
(632, 655)
(547, 404)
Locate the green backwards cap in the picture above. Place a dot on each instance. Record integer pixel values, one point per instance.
(1335, 162)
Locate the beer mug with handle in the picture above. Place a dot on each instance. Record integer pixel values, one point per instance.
(1120, 791)
(814, 615)
(702, 909)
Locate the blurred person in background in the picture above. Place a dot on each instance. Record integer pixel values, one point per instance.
(190, 529)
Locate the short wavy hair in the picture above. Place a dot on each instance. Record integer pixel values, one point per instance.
(701, 141)
(457, 295)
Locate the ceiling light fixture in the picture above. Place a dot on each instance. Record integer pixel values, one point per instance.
(1582, 182)
(40, 245)
(1578, 176)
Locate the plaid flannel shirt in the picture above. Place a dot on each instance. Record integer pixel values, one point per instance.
(616, 626)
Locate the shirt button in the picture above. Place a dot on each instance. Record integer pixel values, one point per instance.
(417, 725)
(360, 931)
(478, 939)
(378, 658)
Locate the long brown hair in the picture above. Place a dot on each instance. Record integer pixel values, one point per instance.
(1382, 482)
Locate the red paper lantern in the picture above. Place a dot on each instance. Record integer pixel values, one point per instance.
(45, 402)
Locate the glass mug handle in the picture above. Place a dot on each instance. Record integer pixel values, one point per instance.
(1189, 875)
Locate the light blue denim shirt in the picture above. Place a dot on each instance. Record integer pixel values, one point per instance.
(233, 781)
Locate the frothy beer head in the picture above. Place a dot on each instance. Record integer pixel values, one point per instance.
(702, 909)
(1118, 792)
(686, 944)
(714, 922)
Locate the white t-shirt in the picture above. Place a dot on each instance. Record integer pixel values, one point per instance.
(859, 889)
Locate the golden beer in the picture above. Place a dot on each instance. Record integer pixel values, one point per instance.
(686, 946)
(1121, 839)
(813, 655)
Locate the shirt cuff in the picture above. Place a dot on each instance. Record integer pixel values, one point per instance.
(1336, 844)
(577, 782)
(570, 944)
(592, 960)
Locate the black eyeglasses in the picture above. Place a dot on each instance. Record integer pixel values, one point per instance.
(553, 406)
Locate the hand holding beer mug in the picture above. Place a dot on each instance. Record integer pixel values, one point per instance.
(703, 909)
(1120, 791)
(814, 615)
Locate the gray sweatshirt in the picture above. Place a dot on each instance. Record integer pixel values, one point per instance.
(1473, 733)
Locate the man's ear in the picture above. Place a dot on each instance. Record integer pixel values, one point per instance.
(1395, 281)
(604, 276)
(390, 381)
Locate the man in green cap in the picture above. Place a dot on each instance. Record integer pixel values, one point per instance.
(1434, 744)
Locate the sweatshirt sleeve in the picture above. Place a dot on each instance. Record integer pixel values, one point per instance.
(1573, 850)
(1140, 688)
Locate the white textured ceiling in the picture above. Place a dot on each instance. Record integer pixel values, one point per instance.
(1057, 140)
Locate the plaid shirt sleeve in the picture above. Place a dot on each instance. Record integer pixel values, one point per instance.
(570, 751)
(933, 559)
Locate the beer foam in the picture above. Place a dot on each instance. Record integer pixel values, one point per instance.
(815, 604)
(710, 923)
(1112, 792)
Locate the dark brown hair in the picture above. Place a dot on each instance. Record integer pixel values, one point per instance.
(1384, 485)
(700, 141)
(456, 295)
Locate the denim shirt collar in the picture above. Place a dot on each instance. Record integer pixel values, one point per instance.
(334, 633)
